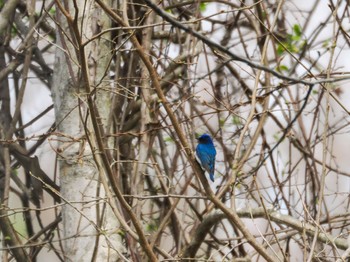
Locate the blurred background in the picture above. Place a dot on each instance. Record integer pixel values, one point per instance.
(92, 162)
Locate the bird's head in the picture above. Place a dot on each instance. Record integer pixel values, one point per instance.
(205, 139)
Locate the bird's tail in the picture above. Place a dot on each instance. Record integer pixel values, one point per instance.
(211, 177)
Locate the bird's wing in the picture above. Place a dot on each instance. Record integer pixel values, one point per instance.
(206, 155)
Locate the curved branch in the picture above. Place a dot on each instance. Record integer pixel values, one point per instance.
(210, 220)
(200, 233)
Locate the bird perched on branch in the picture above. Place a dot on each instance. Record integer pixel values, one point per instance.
(206, 153)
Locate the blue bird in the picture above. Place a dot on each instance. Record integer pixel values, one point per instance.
(206, 153)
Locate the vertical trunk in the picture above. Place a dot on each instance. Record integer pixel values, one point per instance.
(85, 214)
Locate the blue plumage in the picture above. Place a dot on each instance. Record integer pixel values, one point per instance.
(206, 153)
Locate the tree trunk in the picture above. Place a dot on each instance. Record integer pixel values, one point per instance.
(85, 213)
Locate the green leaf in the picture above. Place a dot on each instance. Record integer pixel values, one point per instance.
(325, 44)
(152, 227)
(303, 44)
(121, 233)
(293, 49)
(282, 68)
(297, 30)
(295, 38)
(236, 121)
(168, 139)
(52, 11)
(203, 7)
(280, 49)
(293, 42)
